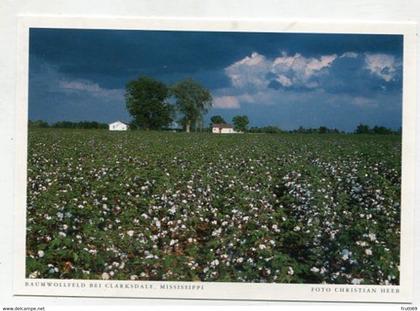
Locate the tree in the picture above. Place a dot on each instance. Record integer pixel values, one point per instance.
(146, 102)
(38, 123)
(382, 130)
(240, 123)
(270, 129)
(362, 129)
(217, 120)
(192, 101)
(323, 130)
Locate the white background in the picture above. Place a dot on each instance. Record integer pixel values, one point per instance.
(334, 10)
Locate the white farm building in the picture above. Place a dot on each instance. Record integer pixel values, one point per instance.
(222, 128)
(118, 126)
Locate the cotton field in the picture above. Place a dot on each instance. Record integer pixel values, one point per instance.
(289, 208)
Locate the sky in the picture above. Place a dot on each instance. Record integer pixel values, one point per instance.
(278, 79)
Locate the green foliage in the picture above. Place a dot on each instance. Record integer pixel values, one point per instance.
(146, 102)
(240, 123)
(381, 130)
(80, 125)
(362, 129)
(286, 208)
(217, 120)
(266, 129)
(38, 124)
(192, 101)
(320, 130)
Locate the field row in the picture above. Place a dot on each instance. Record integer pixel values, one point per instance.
(239, 208)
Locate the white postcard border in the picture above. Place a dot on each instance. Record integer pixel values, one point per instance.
(219, 290)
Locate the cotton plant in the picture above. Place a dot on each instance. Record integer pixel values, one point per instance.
(169, 206)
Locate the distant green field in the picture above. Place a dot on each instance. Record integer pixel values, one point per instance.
(239, 208)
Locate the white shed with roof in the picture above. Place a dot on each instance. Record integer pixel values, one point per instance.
(118, 126)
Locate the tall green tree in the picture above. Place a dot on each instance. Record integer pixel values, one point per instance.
(192, 102)
(217, 120)
(240, 123)
(146, 101)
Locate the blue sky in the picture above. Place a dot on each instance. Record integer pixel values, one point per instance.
(287, 80)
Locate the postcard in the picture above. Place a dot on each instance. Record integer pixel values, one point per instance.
(215, 159)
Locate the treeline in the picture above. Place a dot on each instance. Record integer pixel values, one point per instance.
(266, 129)
(68, 124)
(361, 129)
(365, 129)
(319, 130)
(300, 130)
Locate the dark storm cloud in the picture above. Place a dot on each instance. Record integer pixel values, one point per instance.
(125, 53)
(81, 74)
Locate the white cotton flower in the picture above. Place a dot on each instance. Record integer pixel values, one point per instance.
(315, 269)
(130, 233)
(372, 236)
(296, 229)
(362, 243)
(368, 252)
(356, 281)
(262, 246)
(105, 276)
(239, 260)
(290, 271)
(34, 275)
(134, 277)
(41, 253)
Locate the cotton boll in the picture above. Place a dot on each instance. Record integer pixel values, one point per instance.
(105, 276)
